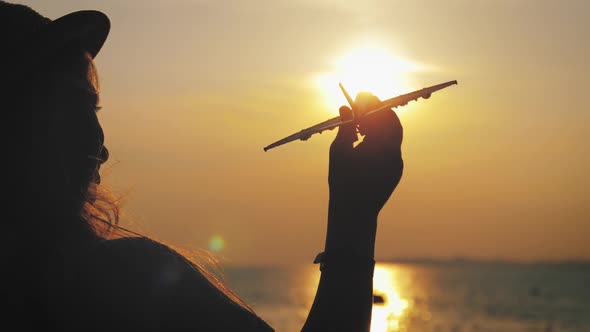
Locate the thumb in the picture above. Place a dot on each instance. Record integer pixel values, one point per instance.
(346, 135)
(342, 150)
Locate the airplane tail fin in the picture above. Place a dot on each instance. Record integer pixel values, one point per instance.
(350, 101)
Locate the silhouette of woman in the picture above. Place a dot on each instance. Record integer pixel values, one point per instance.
(67, 270)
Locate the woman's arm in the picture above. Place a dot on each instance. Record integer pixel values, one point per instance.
(361, 181)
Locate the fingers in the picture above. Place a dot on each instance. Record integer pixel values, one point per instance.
(346, 135)
(346, 132)
(383, 129)
(342, 150)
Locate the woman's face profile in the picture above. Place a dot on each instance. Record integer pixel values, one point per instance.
(72, 99)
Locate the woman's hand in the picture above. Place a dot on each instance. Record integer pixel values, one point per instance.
(363, 177)
(361, 180)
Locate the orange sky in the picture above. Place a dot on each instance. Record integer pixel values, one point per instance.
(496, 167)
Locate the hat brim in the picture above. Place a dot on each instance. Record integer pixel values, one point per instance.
(87, 29)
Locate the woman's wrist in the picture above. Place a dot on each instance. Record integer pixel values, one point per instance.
(352, 229)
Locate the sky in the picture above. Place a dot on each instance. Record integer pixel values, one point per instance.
(496, 167)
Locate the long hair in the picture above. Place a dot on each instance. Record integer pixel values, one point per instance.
(71, 176)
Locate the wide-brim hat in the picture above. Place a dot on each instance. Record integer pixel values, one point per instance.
(27, 37)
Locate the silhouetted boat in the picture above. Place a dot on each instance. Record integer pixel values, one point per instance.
(379, 299)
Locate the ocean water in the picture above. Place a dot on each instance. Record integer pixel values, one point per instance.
(435, 297)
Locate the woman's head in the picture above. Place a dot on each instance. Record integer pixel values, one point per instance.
(49, 79)
(68, 142)
(67, 147)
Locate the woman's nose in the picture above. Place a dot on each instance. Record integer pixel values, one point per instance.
(103, 155)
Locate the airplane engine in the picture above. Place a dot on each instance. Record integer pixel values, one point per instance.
(426, 96)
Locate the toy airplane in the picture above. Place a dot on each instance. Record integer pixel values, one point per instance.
(358, 112)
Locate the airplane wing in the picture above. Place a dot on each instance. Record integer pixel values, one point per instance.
(408, 97)
(306, 133)
(332, 123)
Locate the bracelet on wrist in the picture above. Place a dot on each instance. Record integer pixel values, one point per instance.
(344, 261)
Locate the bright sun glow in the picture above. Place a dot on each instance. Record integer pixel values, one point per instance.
(369, 68)
(386, 316)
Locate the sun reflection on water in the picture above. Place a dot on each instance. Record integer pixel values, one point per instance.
(387, 315)
(389, 307)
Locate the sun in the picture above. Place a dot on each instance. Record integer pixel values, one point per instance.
(368, 68)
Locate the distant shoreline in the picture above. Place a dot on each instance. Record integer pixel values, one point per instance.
(472, 261)
(458, 262)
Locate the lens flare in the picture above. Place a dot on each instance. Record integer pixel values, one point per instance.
(216, 243)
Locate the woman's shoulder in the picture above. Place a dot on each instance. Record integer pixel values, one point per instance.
(136, 250)
(148, 269)
(134, 245)
(136, 255)
(140, 262)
